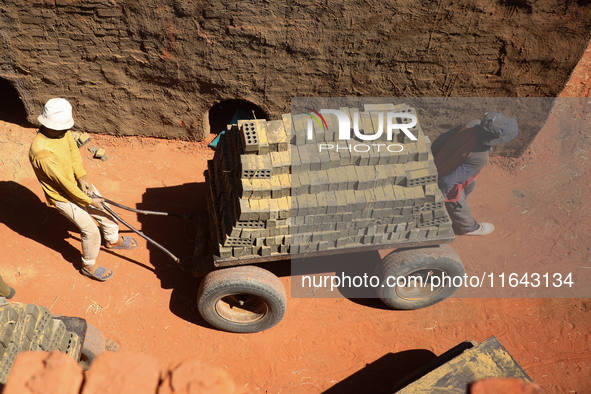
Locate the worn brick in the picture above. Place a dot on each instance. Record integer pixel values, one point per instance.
(331, 203)
(380, 198)
(35, 372)
(341, 202)
(122, 372)
(312, 204)
(344, 153)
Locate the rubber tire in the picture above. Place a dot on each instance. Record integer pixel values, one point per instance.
(403, 262)
(94, 344)
(247, 280)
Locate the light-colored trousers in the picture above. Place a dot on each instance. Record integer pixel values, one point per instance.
(4, 288)
(91, 236)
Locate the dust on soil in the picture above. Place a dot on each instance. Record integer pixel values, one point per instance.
(538, 202)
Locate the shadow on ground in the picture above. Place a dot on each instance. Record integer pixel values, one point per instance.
(24, 213)
(381, 375)
(352, 272)
(177, 235)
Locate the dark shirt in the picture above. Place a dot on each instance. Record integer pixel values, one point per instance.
(474, 163)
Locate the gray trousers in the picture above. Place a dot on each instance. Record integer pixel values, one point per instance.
(460, 214)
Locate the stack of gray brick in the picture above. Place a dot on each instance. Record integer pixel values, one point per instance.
(274, 191)
(249, 189)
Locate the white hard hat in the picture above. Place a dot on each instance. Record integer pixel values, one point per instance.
(57, 114)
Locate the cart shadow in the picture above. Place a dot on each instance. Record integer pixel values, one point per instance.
(352, 273)
(381, 375)
(177, 235)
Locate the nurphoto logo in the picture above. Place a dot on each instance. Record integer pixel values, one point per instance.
(345, 124)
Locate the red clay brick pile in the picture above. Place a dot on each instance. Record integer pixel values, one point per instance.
(55, 372)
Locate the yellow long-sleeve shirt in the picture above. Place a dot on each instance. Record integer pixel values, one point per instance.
(57, 164)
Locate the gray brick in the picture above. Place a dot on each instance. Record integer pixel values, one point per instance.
(342, 179)
(398, 219)
(265, 251)
(296, 164)
(324, 180)
(314, 182)
(396, 236)
(370, 199)
(322, 203)
(361, 154)
(360, 202)
(340, 226)
(335, 158)
(380, 198)
(341, 202)
(305, 158)
(413, 234)
(363, 177)
(333, 183)
(225, 252)
(314, 157)
(345, 154)
(427, 216)
(331, 203)
(347, 217)
(304, 183)
(250, 137)
(439, 213)
(312, 204)
(324, 160)
(423, 232)
(389, 196)
(350, 199)
(302, 201)
(445, 232)
(432, 232)
(295, 184)
(399, 197)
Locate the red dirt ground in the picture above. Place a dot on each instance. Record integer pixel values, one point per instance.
(539, 203)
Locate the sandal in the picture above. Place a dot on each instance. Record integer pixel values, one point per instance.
(98, 274)
(127, 244)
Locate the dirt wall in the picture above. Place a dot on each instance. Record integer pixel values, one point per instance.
(155, 67)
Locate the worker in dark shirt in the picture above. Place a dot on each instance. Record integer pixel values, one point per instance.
(460, 154)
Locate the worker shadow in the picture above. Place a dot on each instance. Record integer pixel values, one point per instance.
(383, 374)
(25, 214)
(177, 235)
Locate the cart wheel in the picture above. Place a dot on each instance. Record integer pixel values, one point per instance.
(94, 344)
(427, 265)
(242, 299)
